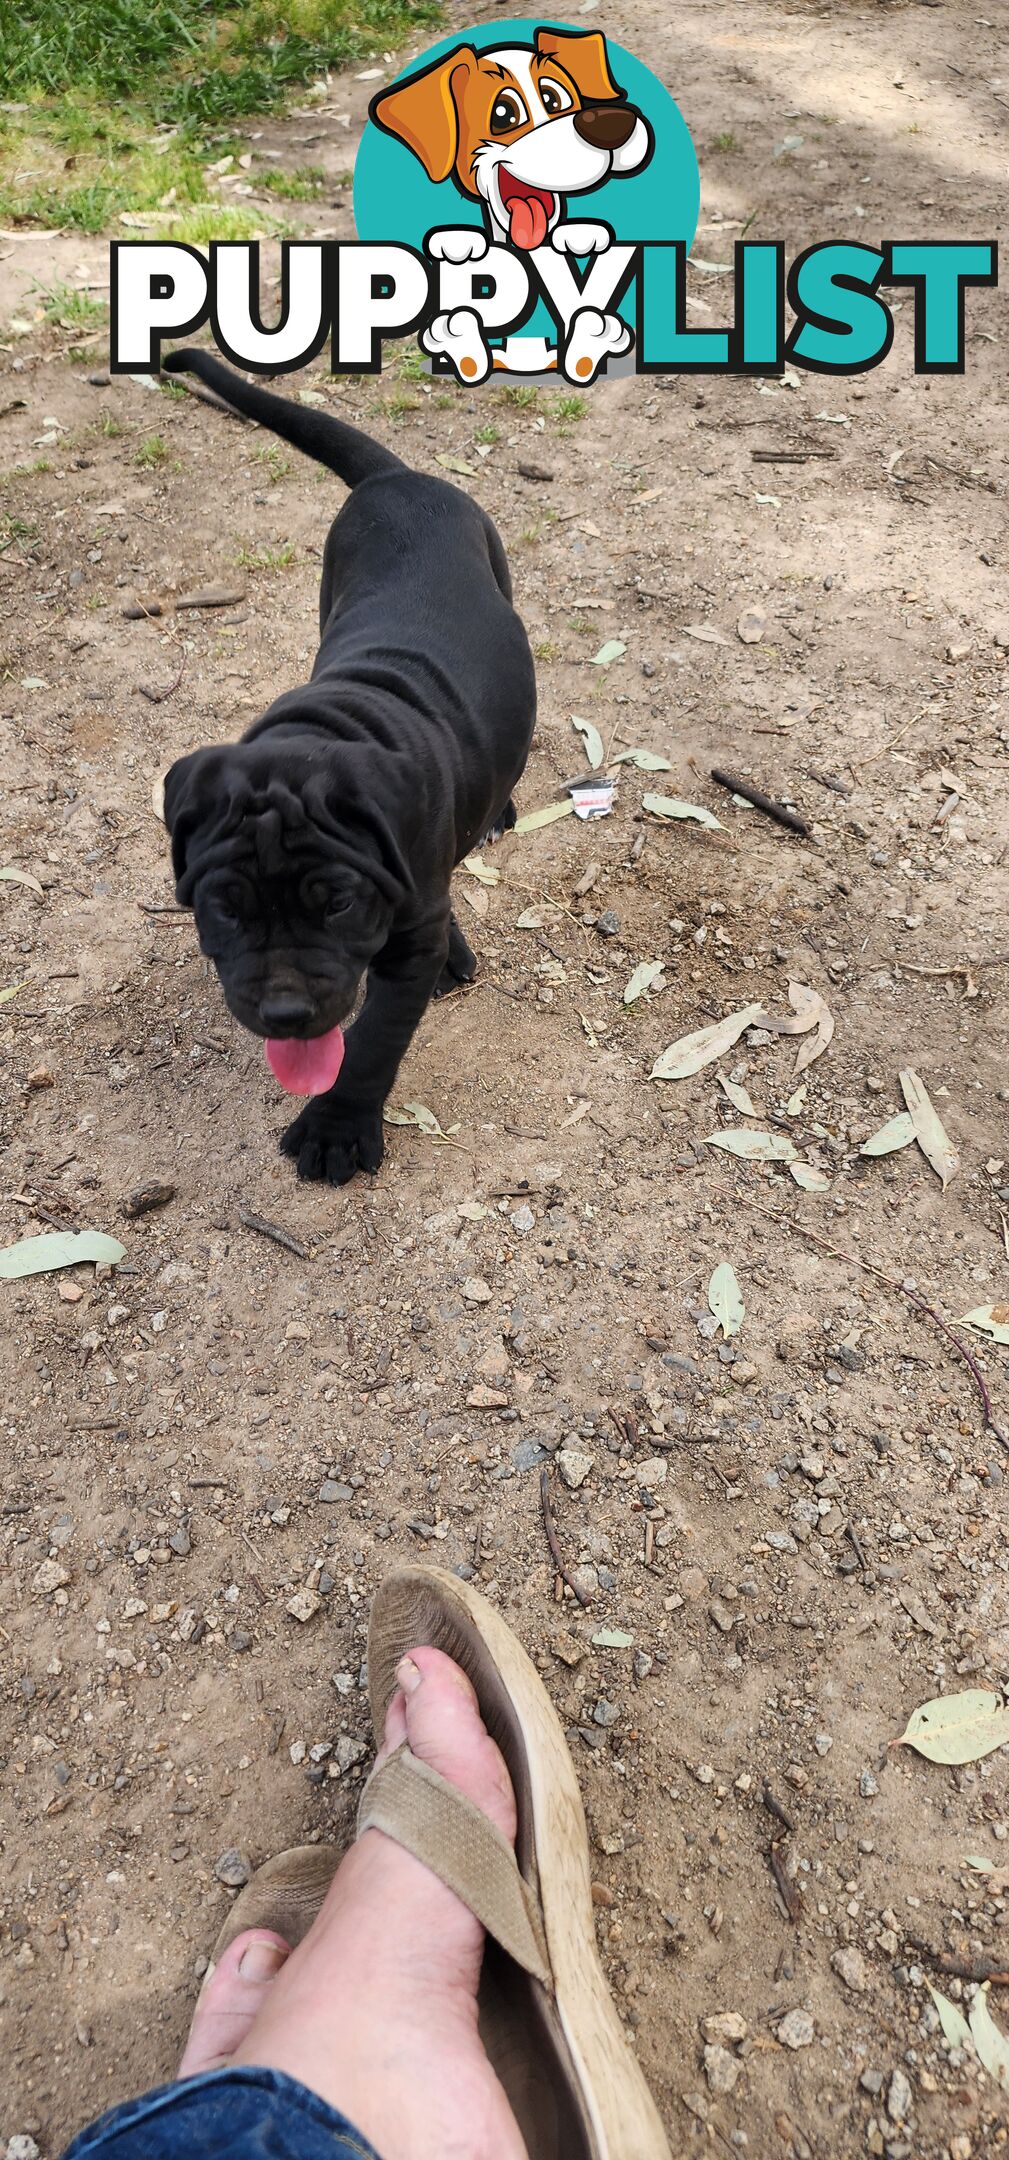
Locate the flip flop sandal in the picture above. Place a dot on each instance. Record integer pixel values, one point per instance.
(547, 2019)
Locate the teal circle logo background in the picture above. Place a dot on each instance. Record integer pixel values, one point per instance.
(395, 200)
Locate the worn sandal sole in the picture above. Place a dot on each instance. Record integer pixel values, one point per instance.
(556, 2041)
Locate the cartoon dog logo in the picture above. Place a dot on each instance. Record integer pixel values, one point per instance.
(519, 129)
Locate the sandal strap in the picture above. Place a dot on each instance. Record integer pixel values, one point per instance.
(435, 1822)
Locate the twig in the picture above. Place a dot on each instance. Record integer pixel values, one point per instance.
(857, 1545)
(209, 397)
(893, 1283)
(271, 1230)
(760, 801)
(157, 697)
(962, 967)
(151, 907)
(894, 739)
(197, 1484)
(788, 1891)
(555, 1551)
(775, 1808)
(789, 457)
(980, 1970)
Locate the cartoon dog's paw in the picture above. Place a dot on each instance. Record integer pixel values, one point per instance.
(457, 244)
(592, 337)
(333, 1145)
(584, 239)
(458, 338)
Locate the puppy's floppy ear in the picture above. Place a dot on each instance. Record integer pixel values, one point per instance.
(197, 798)
(423, 112)
(583, 55)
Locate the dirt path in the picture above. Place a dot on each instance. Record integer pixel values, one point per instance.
(803, 1531)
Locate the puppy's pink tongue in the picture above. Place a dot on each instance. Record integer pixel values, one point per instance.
(528, 226)
(306, 1068)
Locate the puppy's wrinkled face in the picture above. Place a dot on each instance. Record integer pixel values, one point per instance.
(293, 891)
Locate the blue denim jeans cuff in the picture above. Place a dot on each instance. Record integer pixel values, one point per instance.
(241, 2114)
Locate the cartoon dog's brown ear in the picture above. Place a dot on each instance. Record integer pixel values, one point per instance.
(423, 111)
(582, 53)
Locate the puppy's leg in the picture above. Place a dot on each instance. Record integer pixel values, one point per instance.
(341, 1132)
(508, 819)
(461, 965)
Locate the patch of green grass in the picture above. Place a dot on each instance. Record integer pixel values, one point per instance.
(726, 144)
(171, 389)
(488, 435)
(568, 408)
(13, 529)
(411, 364)
(399, 405)
(110, 426)
(524, 395)
(544, 649)
(71, 308)
(304, 184)
(91, 81)
(279, 558)
(153, 451)
(272, 456)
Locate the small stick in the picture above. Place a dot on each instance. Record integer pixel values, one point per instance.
(901, 731)
(152, 907)
(775, 1808)
(197, 1484)
(979, 1970)
(270, 1230)
(788, 1891)
(963, 967)
(859, 1549)
(555, 1551)
(157, 697)
(760, 801)
(869, 1268)
(209, 397)
(789, 457)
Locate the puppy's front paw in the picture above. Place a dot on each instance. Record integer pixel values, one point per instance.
(457, 244)
(581, 239)
(333, 1145)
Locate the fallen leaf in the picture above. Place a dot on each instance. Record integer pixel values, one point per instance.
(418, 1115)
(807, 1007)
(455, 464)
(691, 1052)
(10, 992)
(754, 1146)
(614, 649)
(990, 1320)
(550, 812)
(484, 872)
(983, 1867)
(952, 2020)
(930, 1133)
(21, 877)
(958, 1728)
(530, 919)
(645, 760)
(647, 972)
(898, 1132)
(751, 625)
(816, 1044)
(612, 1638)
(795, 1102)
(477, 900)
(990, 2042)
(670, 806)
(737, 1095)
(725, 1300)
(472, 1210)
(592, 739)
(57, 1249)
(705, 634)
(809, 1177)
(158, 797)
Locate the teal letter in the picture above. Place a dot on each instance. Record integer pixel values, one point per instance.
(664, 345)
(939, 270)
(841, 327)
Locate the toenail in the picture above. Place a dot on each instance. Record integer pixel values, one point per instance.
(408, 1675)
(262, 1960)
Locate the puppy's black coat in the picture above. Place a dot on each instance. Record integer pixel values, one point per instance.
(320, 848)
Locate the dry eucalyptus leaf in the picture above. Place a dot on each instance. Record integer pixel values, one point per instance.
(591, 738)
(737, 1095)
(670, 806)
(484, 872)
(57, 1249)
(455, 464)
(647, 972)
(754, 1146)
(645, 760)
(990, 1320)
(809, 1177)
(547, 816)
(418, 1115)
(725, 1299)
(954, 2024)
(958, 1728)
(990, 2042)
(705, 634)
(898, 1132)
(21, 877)
(158, 797)
(691, 1052)
(477, 900)
(795, 1102)
(10, 992)
(807, 1009)
(931, 1135)
(614, 649)
(815, 1044)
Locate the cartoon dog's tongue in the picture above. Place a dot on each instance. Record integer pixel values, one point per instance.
(529, 211)
(306, 1068)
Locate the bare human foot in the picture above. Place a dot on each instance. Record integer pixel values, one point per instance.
(376, 2009)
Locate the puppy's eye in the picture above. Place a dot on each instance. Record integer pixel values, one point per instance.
(554, 97)
(337, 904)
(507, 112)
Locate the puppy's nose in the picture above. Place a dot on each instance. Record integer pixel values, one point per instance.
(606, 127)
(286, 1012)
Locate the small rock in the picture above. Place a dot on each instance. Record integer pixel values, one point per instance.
(721, 2069)
(304, 1605)
(692, 1584)
(49, 1577)
(529, 1454)
(725, 2026)
(568, 1649)
(868, 1785)
(233, 1869)
(796, 2029)
(331, 1490)
(653, 1472)
(720, 1614)
(180, 1542)
(156, 1193)
(486, 1398)
(872, 2081)
(22, 2147)
(849, 1966)
(70, 1293)
(347, 1753)
(608, 923)
(524, 1219)
(606, 1713)
(40, 1078)
(574, 1468)
(476, 1291)
(899, 2098)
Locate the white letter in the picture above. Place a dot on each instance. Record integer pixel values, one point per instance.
(159, 289)
(366, 312)
(564, 293)
(509, 301)
(238, 326)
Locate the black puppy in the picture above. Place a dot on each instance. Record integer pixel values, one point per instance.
(320, 848)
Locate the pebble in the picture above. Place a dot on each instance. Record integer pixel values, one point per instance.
(608, 923)
(476, 1291)
(49, 1577)
(347, 1753)
(234, 1868)
(486, 1398)
(156, 1193)
(724, 2025)
(606, 1713)
(796, 2029)
(868, 1785)
(721, 2069)
(331, 1490)
(653, 1472)
(720, 1614)
(528, 1454)
(693, 1584)
(849, 1966)
(304, 1605)
(574, 1467)
(22, 2147)
(899, 2098)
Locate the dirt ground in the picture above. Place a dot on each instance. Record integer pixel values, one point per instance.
(800, 1531)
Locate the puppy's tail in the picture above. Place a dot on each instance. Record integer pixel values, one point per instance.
(320, 435)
